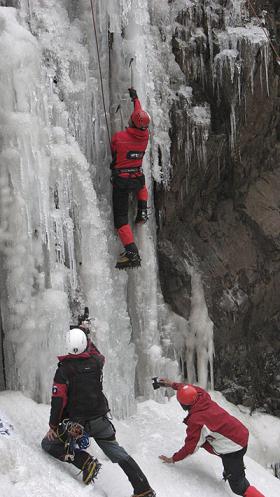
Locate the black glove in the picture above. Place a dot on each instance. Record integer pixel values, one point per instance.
(132, 94)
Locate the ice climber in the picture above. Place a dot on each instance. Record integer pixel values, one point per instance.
(128, 150)
(215, 430)
(79, 410)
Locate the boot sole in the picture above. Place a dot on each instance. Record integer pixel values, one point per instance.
(127, 266)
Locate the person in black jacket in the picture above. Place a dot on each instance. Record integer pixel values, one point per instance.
(79, 407)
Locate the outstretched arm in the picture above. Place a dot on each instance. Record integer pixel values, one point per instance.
(134, 98)
(192, 444)
(169, 383)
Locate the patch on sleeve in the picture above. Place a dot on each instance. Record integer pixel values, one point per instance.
(59, 390)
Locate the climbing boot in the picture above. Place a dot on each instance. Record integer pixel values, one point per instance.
(142, 216)
(142, 212)
(90, 470)
(128, 259)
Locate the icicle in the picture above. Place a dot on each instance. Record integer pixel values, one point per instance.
(224, 61)
(238, 69)
(210, 35)
(252, 71)
(232, 127)
(265, 55)
(198, 125)
(199, 342)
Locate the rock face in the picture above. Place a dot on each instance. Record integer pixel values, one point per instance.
(221, 210)
(2, 366)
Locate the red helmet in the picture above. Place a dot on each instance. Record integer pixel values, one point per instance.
(140, 119)
(187, 395)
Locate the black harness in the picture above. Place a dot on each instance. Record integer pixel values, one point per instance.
(130, 170)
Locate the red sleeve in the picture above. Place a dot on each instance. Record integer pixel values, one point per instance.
(191, 442)
(137, 105)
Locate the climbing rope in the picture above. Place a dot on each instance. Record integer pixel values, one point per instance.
(100, 72)
(265, 31)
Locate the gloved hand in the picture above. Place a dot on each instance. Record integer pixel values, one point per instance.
(132, 94)
(52, 434)
(165, 459)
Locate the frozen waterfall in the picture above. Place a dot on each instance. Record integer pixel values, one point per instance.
(57, 243)
(57, 240)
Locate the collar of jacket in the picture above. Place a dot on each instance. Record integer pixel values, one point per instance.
(83, 355)
(202, 403)
(138, 133)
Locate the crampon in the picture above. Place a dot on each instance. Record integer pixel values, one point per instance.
(128, 260)
(90, 470)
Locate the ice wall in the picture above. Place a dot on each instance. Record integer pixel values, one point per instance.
(57, 240)
(58, 245)
(53, 238)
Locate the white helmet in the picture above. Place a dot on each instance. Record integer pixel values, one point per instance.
(76, 341)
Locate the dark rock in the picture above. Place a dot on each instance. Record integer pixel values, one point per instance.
(225, 215)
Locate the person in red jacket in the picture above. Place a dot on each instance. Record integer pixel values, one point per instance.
(211, 427)
(128, 150)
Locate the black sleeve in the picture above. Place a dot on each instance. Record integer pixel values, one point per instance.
(59, 397)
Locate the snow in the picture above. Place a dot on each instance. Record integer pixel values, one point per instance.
(6, 428)
(155, 429)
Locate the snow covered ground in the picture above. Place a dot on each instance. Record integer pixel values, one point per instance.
(155, 429)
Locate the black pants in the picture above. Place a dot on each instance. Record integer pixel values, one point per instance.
(103, 432)
(234, 471)
(122, 187)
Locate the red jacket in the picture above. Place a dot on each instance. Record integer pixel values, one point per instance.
(211, 427)
(129, 146)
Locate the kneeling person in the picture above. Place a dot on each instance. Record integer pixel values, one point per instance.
(79, 407)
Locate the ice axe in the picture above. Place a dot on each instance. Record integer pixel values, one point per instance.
(131, 72)
(119, 109)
